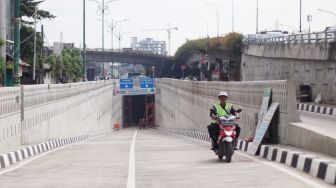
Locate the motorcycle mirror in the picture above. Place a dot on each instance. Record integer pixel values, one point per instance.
(239, 110)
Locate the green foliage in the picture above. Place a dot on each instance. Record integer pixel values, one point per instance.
(69, 63)
(1, 65)
(27, 47)
(1, 42)
(232, 43)
(27, 9)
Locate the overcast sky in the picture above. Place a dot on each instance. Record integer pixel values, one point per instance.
(156, 14)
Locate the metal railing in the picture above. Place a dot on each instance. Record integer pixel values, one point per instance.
(327, 36)
(129, 51)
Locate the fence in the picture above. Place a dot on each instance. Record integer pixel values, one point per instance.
(327, 36)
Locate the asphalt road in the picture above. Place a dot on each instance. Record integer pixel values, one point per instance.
(149, 159)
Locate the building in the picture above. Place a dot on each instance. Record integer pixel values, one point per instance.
(149, 45)
(59, 46)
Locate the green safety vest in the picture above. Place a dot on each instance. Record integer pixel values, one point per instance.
(221, 112)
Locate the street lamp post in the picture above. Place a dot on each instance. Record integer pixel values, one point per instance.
(153, 70)
(34, 61)
(119, 38)
(169, 36)
(257, 26)
(84, 44)
(309, 20)
(326, 11)
(207, 24)
(233, 16)
(103, 6)
(300, 16)
(17, 21)
(217, 15)
(114, 24)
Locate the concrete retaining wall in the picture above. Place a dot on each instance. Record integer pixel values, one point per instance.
(308, 64)
(54, 111)
(317, 142)
(184, 105)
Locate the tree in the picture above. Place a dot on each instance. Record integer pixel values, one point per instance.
(231, 43)
(2, 61)
(68, 65)
(27, 10)
(27, 47)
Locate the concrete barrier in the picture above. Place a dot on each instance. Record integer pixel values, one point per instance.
(184, 105)
(57, 110)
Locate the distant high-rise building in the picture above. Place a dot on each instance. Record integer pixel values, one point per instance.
(149, 45)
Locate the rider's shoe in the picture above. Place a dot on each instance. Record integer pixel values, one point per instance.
(235, 145)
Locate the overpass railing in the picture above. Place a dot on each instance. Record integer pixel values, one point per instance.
(125, 51)
(327, 36)
(10, 97)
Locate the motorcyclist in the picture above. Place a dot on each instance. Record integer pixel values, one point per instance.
(220, 109)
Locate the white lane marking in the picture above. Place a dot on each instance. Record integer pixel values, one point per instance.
(282, 169)
(131, 164)
(23, 163)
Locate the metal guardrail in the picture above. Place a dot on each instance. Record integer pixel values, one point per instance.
(328, 36)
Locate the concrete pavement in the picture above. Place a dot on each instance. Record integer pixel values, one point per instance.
(161, 160)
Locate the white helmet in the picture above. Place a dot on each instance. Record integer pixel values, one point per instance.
(222, 93)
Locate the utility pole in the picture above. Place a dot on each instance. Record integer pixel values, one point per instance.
(112, 30)
(103, 23)
(257, 26)
(42, 54)
(169, 36)
(17, 21)
(217, 15)
(84, 44)
(233, 16)
(3, 34)
(300, 16)
(34, 61)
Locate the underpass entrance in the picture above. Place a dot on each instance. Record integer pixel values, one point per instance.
(137, 108)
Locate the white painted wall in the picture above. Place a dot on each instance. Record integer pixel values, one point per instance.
(72, 109)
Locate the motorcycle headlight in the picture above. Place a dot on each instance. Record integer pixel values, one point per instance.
(228, 133)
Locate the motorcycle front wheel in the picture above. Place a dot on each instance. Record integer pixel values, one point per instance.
(230, 150)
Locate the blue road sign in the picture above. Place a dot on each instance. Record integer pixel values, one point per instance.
(126, 83)
(146, 83)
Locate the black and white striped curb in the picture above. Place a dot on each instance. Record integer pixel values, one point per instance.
(316, 109)
(242, 145)
(13, 157)
(313, 165)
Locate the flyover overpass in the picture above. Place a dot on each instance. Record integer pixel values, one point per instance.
(162, 63)
(61, 135)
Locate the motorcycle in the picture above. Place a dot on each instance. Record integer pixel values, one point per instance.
(227, 136)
